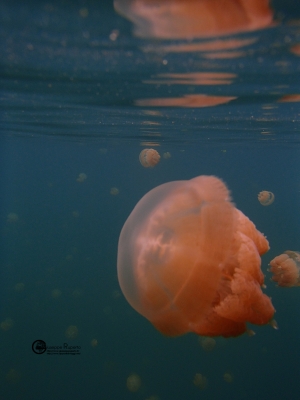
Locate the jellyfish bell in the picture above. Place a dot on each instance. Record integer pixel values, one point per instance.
(228, 377)
(265, 198)
(189, 261)
(133, 382)
(81, 177)
(71, 332)
(207, 343)
(200, 381)
(12, 217)
(286, 269)
(149, 158)
(114, 191)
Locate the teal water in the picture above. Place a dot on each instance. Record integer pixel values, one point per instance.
(76, 94)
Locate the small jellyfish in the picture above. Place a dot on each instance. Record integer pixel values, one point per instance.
(12, 218)
(266, 198)
(19, 287)
(94, 342)
(102, 151)
(207, 343)
(71, 332)
(228, 377)
(114, 191)
(81, 177)
(13, 376)
(56, 293)
(133, 383)
(166, 155)
(200, 381)
(77, 293)
(7, 324)
(285, 269)
(149, 158)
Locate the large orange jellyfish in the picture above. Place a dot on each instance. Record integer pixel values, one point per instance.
(286, 269)
(149, 158)
(189, 261)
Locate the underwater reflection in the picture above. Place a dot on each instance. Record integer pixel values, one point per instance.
(177, 19)
(196, 23)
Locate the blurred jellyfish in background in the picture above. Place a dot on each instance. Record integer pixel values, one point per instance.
(114, 191)
(207, 343)
(56, 293)
(12, 218)
(200, 381)
(94, 342)
(13, 376)
(228, 377)
(71, 332)
(19, 287)
(7, 324)
(133, 383)
(81, 177)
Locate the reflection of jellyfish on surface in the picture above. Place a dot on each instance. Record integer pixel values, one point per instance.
(149, 158)
(189, 261)
(175, 19)
(265, 198)
(81, 177)
(286, 268)
(133, 383)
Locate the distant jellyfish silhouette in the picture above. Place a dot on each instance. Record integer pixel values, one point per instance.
(133, 383)
(56, 293)
(12, 218)
(7, 324)
(200, 381)
(207, 343)
(81, 177)
(71, 332)
(286, 269)
(19, 287)
(94, 342)
(266, 198)
(189, 261)
(149, 158)
(114, 191)
(228, 377)
(167, 155)
(13, 376)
